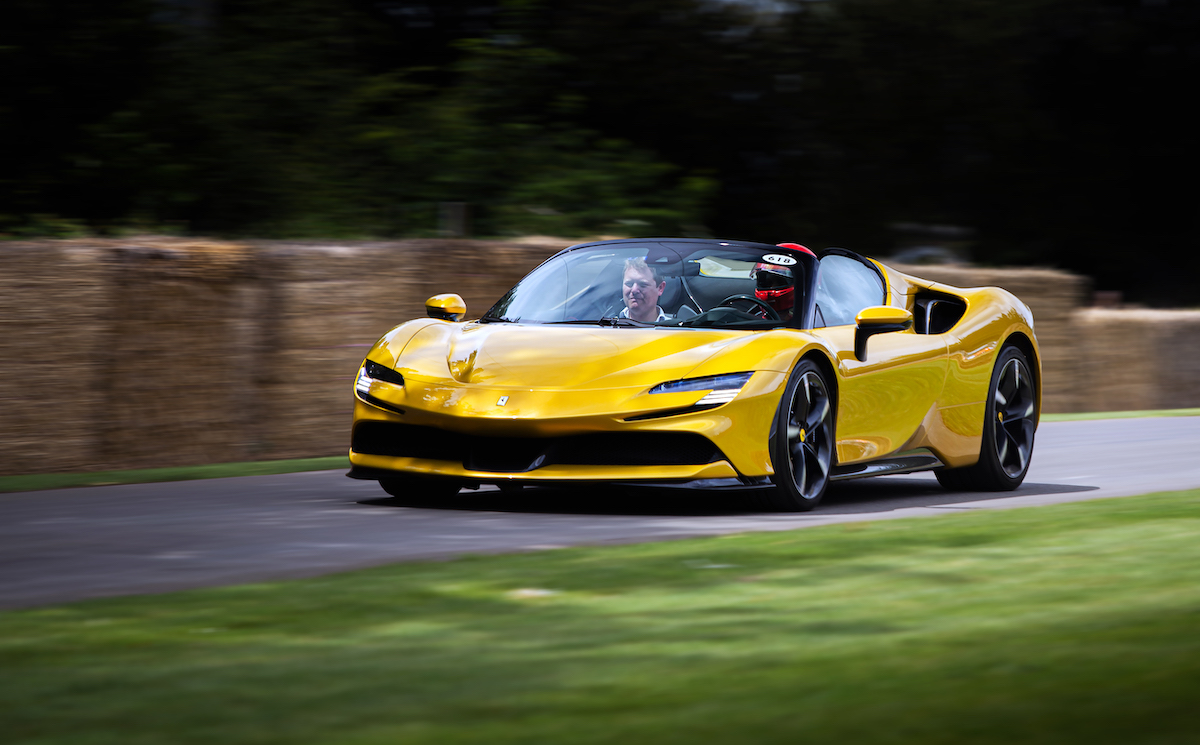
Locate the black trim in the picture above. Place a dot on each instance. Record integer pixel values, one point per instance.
(523, 454)
(369, 474)
(937, 312)
(862, 333)
(906, 463)
(368, 398)
(670, 412)
(377, 371)
(442, 314)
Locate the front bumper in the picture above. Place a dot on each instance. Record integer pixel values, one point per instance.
(464, 432)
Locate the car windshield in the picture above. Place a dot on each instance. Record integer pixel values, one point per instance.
(700, 284)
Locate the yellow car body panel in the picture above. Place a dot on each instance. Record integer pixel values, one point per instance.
(993, 317)
(580, 382)
(914, 391)
(883, 401)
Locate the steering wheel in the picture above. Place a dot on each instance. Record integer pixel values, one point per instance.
(768, 312)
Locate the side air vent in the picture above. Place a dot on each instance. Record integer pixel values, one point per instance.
(936, 313)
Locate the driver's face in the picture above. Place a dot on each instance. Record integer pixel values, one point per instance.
(641, 294)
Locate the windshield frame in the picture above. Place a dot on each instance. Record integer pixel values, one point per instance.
(581, 276)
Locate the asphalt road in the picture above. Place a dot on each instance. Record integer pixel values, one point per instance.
(73, 544)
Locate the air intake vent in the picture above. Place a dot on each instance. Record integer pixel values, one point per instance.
(522, 454)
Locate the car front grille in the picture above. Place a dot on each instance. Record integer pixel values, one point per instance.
(522, 454)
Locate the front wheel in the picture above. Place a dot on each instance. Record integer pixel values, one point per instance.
(1010, 420)
(802, 447)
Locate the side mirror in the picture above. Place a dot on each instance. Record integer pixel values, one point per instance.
(878, 319)
(448, 307)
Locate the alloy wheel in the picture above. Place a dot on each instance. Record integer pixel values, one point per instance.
(810, 436)
(1014, 406)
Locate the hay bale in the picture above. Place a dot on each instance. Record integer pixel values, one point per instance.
(180, 350)
(53, 331)
(1139, 359)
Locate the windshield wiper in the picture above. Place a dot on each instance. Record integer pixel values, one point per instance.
(498, 319)
(606, 321)
(619, 321)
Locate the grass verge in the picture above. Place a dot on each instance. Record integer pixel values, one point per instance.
(1071, 623)
(1090, 415)
(41, 481)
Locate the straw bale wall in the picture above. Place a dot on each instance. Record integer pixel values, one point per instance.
(180, 343)
(160, 352)
(1139, 359)
(54, 302)
(156, 352)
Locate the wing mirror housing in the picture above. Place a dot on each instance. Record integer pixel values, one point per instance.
(448, 307)
(878, 319)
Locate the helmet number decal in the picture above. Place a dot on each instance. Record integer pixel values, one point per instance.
(779, 259)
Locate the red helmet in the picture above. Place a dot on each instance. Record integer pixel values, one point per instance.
(774, 285)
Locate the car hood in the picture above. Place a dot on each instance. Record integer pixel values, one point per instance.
(548, 356)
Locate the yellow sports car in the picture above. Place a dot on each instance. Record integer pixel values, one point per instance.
(723, 363)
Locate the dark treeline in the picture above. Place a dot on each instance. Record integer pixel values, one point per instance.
(1049, 132)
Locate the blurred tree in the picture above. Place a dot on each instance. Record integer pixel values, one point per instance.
(65, 67)
(692, 80)
(313, 117)
(1060, 131)
(244, 130)
(509, 139)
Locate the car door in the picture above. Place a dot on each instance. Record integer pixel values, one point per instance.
(883, 401)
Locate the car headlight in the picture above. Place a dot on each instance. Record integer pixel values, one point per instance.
(721, 388)
(371, 371)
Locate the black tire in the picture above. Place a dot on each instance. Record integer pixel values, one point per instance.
(419, 488)
(802, 448)
(1009, 424)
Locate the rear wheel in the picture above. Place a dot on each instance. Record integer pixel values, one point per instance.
(802, 448)
(419, 487)
(1010, 420)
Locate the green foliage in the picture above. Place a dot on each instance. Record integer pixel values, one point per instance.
(277, 120)
(522, 167)
(41, 226)
(1058, 130)
(41, 481)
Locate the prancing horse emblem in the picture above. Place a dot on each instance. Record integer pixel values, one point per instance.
(503, 400)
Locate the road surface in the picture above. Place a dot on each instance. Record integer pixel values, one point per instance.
(72, 544)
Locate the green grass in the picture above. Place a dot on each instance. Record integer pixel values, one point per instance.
(1090, 415)
(1072, 623)
(41, 481)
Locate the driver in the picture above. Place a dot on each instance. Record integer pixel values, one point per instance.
(775, 286)
(641, 289)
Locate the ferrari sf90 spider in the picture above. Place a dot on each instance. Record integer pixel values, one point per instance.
(719, 363)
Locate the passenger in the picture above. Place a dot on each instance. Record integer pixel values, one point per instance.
(641, 289)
